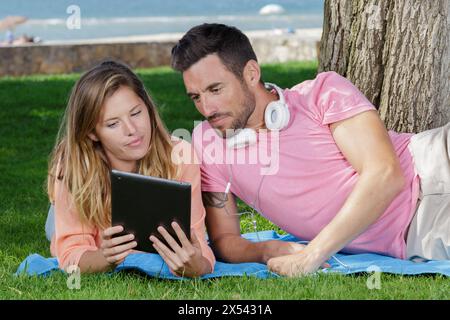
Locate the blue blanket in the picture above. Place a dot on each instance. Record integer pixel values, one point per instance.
(153, 265)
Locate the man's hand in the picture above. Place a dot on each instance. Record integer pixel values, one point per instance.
(276, 248)
(296, 264)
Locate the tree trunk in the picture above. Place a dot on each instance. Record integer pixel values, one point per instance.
(397, 53)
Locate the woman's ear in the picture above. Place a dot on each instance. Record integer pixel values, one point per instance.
(93, 137)
(252, 73)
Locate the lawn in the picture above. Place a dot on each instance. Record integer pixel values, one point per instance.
(30, 111)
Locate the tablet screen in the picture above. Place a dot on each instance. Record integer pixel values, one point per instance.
(142, 203)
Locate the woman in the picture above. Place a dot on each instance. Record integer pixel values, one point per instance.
(111, 123)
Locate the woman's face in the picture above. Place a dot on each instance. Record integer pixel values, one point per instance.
(124, 129)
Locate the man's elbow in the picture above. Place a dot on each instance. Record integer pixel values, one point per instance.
(388, 178)
(229, 248)
(392, 178)
(219, 248)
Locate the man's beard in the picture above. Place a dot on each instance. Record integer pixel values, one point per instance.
(240, 121)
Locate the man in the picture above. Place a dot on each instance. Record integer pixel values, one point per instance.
(343, 182)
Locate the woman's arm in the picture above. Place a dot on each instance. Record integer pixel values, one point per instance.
(78, 244)
(111, 252)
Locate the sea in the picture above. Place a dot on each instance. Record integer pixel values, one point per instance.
(67, 20)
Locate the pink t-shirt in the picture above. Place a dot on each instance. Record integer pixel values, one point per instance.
(313, 179)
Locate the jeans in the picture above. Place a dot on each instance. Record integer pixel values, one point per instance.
(50, 223)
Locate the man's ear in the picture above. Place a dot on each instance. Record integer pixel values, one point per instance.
(252, 73)
(93, 137)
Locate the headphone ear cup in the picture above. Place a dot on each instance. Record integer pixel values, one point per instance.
(276, 115)
(286, 116)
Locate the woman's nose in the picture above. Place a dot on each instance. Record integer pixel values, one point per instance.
(129, 127)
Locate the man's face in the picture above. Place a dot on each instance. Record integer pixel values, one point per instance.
(224, 100)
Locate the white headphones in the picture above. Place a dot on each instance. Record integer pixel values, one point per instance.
(276, 117)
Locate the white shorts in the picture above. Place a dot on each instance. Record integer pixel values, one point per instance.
(429, 232)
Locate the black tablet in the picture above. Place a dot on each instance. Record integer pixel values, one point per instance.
(142, 203)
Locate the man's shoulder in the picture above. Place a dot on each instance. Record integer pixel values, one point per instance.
(199, 128)
(198, 135)
(320, 78)
(179, 142)
(202, 131)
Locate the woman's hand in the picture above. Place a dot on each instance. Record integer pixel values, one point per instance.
(185, 261)
(115, 250)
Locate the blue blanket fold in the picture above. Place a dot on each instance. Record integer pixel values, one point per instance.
(154, 266)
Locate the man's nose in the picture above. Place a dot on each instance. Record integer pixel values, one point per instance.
(207, 107)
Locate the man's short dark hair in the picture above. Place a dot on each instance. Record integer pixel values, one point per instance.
(229, 43)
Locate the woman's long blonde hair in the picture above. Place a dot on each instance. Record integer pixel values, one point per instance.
(80, 164)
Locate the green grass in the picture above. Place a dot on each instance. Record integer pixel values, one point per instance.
(30, 111)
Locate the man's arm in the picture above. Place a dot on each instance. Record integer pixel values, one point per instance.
(224, 233)
(365, 143)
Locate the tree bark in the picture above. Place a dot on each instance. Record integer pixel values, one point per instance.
(397, 53)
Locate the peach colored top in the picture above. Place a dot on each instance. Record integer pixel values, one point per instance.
(72, 238)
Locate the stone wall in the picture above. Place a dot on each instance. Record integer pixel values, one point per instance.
(142, 52)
